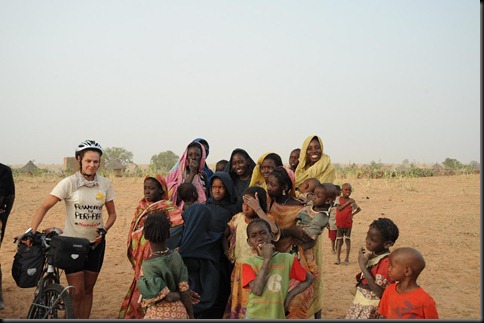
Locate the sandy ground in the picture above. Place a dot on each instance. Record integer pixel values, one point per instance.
(440, 216)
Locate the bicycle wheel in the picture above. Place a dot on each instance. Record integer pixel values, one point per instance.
(54, 303)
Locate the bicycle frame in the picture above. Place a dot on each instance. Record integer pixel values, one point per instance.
(50, 276)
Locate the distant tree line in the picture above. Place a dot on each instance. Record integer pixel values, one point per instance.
(163, 162)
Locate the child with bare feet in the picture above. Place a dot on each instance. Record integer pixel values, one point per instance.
(344, 221)
(374, 276)
(332, 228)
(406, 299)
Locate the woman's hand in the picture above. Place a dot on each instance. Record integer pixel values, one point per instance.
(101, 235)
(193, 166)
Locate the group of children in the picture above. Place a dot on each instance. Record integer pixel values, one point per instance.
(386, 287)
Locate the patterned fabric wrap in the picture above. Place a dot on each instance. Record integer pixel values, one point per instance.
(365, 302)
(139, 249)
(167, 311)
(178, 174)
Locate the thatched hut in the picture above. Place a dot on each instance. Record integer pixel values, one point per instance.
(116, 166)
(29, 167)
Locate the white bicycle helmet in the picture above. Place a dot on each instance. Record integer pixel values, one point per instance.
(89, 145)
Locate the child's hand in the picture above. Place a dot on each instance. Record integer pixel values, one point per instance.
(252, 202)
(362, 257)
(195, 297)
(266, 250)
(172, 297)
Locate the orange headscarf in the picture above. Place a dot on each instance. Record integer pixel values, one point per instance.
(160, 179)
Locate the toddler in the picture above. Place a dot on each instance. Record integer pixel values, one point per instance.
(314, 218)
(344, 221)
(305, 191)
(406, 299)
(332, 228)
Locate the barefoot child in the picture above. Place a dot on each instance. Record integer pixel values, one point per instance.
(374, 277)
(267, 275)
(332, 228)
(164, 277)
(344, 222)
(237, 249)
(406, 299)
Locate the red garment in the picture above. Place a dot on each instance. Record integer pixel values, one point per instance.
(381, 268)
(344, 217)
(417, 304)
(297, 271)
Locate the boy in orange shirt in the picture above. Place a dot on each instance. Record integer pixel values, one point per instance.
(405, 299)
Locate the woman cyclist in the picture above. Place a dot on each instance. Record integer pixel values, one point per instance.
(84, 193)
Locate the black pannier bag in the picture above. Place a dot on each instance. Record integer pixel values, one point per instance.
(28, 264)
(68, 252)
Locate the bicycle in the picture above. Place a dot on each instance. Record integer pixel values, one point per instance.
(51, 299)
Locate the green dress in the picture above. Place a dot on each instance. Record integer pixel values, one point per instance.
(159, 276)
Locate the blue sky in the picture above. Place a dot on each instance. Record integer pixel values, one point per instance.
(378, 80)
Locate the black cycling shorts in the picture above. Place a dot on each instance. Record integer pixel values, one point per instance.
(94, 260)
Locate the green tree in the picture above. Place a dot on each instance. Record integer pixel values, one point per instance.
(163, 161)
(452, 163)
(117, 153)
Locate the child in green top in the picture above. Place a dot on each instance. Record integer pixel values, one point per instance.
(268, 275)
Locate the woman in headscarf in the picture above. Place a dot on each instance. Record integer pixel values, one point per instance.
(240, 168)
(206, 169)
(284, 206)
(155, 199)
(189, 169)
(264, 167)
(201, 253)
(223, 205)
(314, 163)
